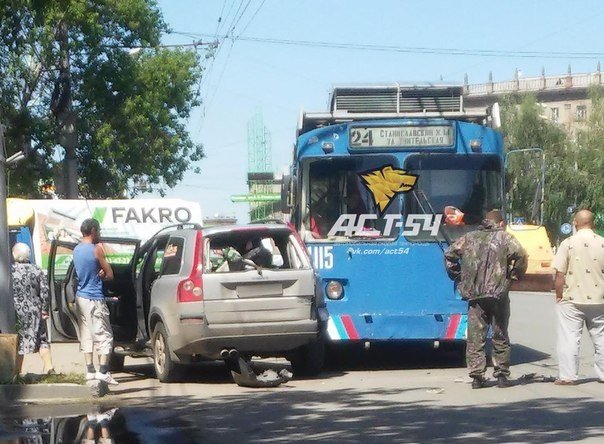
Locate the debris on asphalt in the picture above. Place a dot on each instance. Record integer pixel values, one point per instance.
(245, 376)
(534, 377)
(436, 390)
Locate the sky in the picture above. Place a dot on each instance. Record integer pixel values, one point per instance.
(246, 77)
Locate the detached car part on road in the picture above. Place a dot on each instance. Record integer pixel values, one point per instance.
(195, 293)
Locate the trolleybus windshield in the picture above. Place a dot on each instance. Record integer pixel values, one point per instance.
(336, 187)
(471, 183)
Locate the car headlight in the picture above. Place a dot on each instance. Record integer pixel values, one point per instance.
(334, 290)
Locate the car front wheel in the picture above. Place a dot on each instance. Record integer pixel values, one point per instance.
(165, 368)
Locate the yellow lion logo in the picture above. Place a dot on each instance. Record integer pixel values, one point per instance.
(385, 183)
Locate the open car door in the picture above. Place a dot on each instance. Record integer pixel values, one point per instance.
(62, 286)
(120, 294)
(150, 260)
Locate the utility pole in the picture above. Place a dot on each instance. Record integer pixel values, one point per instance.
(7, 306)
(66, 118)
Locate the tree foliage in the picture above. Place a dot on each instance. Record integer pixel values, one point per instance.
(571, 165)
(590, 155)
(130, 109)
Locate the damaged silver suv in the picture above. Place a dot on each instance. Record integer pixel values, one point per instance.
(191, 294)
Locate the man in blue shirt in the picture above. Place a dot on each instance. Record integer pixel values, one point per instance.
(91, 269)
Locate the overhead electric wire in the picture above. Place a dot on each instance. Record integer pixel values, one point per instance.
(194, 44)
(231, 27)
(220, 18)
(230, 33)
(422, 50)
(557, 32)
(240, 17)
(251, 19)
(225, 18)
(186, 34)
(226, 62)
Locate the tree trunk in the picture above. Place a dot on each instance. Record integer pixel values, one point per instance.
(69, 140)
(66, 118)
(7, 308)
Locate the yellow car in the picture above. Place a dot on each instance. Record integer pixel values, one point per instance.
(539, 272)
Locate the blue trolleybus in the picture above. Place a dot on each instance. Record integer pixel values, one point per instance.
(380, 184)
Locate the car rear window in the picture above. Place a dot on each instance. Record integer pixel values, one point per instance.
(240, 250)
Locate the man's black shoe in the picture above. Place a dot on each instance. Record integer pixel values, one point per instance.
(477, 383)
(503, 382)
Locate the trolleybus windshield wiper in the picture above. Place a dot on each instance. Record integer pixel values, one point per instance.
(417, 192)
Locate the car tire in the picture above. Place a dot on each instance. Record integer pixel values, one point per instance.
(166, 369)
(309, 359)
(116, 363)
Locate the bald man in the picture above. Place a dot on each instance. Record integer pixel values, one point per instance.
(579, 283)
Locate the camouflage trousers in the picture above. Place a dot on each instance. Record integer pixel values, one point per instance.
(482, 313)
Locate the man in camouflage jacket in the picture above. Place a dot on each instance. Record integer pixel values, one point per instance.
(485, 262)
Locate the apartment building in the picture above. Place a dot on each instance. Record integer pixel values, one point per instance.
(564, 98)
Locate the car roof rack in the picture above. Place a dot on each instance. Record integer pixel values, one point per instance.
(181, 226)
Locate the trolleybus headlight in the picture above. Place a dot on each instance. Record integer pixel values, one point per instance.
(327, 147)
(476, 145)
(334, 290)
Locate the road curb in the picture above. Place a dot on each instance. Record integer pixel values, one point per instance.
(43, 392)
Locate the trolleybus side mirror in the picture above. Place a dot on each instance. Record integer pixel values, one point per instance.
(286, 194)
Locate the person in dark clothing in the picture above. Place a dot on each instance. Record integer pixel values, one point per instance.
(260, 256)
(485, 262)
(257, 253)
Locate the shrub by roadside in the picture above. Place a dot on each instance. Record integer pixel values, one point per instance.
(59, 378)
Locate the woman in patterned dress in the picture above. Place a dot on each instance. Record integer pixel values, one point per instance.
(30, 292)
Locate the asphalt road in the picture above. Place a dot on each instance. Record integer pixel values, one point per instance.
(386, 394)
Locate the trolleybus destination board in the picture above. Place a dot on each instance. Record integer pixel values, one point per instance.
(401, 136)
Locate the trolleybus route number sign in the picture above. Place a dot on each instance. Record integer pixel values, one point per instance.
(401, 136)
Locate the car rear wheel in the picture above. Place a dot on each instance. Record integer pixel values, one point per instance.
(166, 369)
